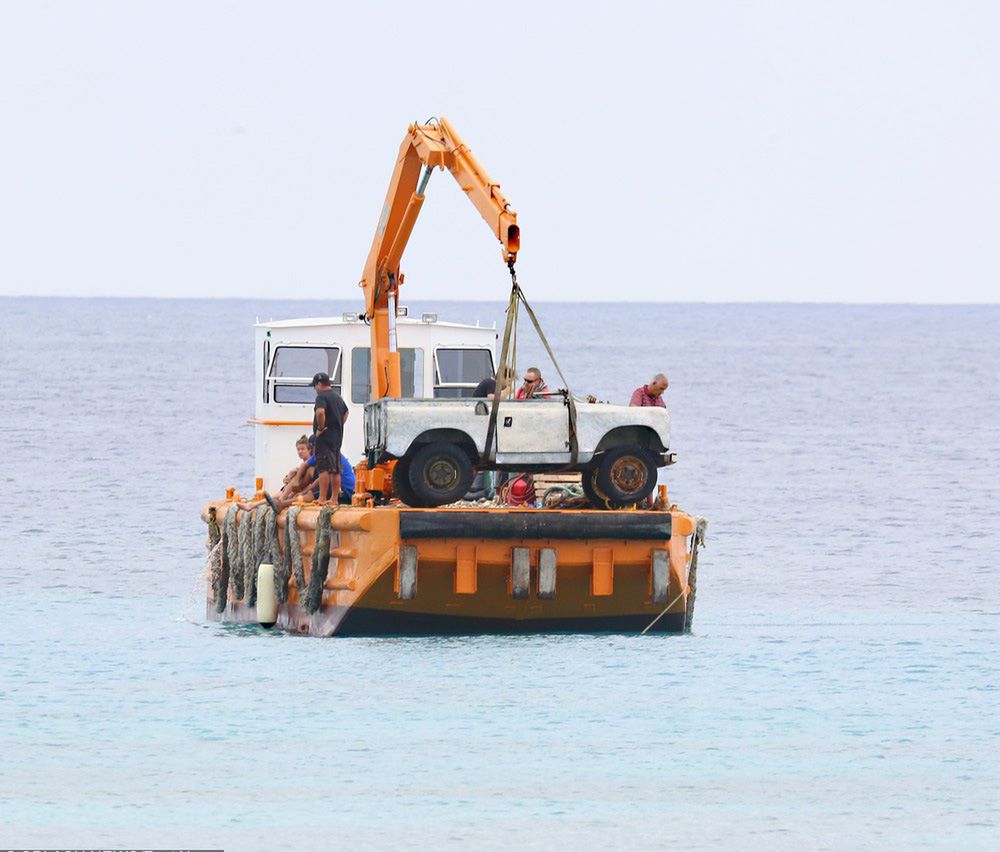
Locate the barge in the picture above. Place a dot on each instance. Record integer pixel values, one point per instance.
(379, 562)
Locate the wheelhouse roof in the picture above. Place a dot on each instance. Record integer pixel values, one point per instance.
(312, 322)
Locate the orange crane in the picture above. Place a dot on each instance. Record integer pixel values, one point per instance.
(425, 147)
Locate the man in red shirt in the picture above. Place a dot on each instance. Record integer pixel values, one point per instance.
(651, 394)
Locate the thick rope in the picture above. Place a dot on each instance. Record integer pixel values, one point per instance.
(697, 542)
(231, 530)
(218, 566)
(246, 551)
(320, 562)
(276, 554)
(258, 531)
(295, 553)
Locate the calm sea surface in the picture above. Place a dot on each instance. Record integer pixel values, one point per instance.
(840, 689)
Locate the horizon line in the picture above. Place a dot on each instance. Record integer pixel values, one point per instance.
(501, 300)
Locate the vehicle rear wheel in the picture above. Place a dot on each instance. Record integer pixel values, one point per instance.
(627, 475)
(401, 489)
(440, 473)
(597, 498)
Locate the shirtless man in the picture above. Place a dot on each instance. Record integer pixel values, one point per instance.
(298, 480)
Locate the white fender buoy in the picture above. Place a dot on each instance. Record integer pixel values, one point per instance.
(267, 599)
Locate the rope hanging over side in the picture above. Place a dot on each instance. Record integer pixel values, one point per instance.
(295, 545)
(246, 551)
(218, 564)
(231, 530)
(294, 554)
(320, 561)
(697, 542)
(277, 556)
(258, 532)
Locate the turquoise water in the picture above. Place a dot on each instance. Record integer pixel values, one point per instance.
(840, 689)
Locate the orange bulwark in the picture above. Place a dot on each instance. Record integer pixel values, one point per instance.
(399, 571)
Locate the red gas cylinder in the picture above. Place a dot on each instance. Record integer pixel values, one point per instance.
(521, 491)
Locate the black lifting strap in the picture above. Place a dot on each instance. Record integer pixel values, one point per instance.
(517, 295)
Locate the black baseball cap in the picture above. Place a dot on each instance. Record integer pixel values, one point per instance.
(320, 379)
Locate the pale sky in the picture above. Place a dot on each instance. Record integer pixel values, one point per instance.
(695, 151)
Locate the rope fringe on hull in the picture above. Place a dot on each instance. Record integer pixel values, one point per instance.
(277, 557)
(320, 562)
(217, 564)
(293, 548)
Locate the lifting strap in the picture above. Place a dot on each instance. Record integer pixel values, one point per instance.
(517, 296)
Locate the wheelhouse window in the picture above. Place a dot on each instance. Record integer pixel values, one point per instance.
(458, 371)
(293, 368)
(411, 368)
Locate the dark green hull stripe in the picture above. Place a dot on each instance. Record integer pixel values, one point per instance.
(535, 524)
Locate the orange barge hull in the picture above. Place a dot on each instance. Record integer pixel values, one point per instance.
(399, 571)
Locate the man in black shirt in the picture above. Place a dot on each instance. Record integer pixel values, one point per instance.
(487, 388)
(329, 416)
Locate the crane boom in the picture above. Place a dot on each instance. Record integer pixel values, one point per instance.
(426, 146)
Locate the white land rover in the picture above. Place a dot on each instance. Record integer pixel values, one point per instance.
(440, 443)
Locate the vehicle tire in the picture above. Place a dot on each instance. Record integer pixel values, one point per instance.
(597, 498)
(440, 473)
(627, 475)
(401, 484)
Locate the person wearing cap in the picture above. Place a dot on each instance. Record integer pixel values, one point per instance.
(329, 415)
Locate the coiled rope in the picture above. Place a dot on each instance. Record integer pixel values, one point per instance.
(564, 497)
(506, 491)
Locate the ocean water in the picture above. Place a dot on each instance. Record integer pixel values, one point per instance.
(840, 689)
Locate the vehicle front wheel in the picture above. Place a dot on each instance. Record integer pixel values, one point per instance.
(627, 475)
(440, 473)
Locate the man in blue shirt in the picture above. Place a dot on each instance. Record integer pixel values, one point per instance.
(305, 481)
(347, 480)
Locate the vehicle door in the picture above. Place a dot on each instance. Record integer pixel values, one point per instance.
(533, 431)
